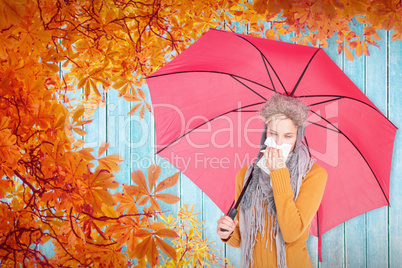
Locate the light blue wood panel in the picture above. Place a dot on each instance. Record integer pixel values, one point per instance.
(333, 246)
(355, 229)
(376, 91)
(118, 134)
(191, 194)
(211, 214)
(141, 140)
(96, 130)
(395, 110)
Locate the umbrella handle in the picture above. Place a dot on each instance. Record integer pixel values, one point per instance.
(233, 211)
(232, 214)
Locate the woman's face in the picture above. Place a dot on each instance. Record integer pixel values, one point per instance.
(282, 131)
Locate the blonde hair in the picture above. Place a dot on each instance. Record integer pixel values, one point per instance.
(276, 117)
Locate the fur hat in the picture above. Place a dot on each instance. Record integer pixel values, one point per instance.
(291, 107)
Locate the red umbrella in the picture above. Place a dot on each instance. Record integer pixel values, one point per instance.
(206, 104)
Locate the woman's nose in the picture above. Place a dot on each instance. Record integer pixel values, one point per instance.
(279, 140)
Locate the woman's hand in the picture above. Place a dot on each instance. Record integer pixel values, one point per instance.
(274, 159)
(225, 222)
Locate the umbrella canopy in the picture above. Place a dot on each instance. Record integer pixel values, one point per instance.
(206, 105)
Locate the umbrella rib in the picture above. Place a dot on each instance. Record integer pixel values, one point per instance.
(263, 57)
(324, 127)
(269, 74)
(308, 148)
(337, 97)
(322, 102)
(304, 71)
(357, 150)
(249, 87)
(199, 71)
(235, 110)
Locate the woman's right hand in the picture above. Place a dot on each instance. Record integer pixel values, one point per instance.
(225, 222)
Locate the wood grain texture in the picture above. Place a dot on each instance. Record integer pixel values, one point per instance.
(395, 112)
(377, 91)
(373, 239)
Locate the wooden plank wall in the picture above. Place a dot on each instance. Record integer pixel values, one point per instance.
(373, 239)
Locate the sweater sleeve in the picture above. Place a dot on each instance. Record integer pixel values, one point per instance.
(234, 239)
(295, 217)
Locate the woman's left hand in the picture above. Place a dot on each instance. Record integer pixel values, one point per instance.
(274, 159)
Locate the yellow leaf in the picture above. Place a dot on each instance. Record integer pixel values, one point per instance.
(94, 87)
(166, 183)
(348, 54)
(130, 97)
(138, 178)
(123, 91)
(154, 204)
(142, 233)
(102, 148)
(136, 191)
(168, 249)
(166, 233)
(79, 143)
(365, 49)
(15, 10)
(142, 110)
(87, 89)
(119, 84)
(79, 131)
(104, 179)
(153, 174)
(376, 36)
(143, 201)
(78, 112)
(134, 108)
(142, 248)
(152, 253)
(359, 49)
(141, 94)
(82, 83)
(86, 153)
(361, 20)
(167, 198)
(396, 36)
(113, 158)
(157, 226)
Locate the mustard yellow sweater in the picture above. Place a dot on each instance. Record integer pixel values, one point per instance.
(294, 218)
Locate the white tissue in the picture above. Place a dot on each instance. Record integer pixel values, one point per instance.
(270, 142)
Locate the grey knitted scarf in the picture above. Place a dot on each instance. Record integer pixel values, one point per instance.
(259, 192)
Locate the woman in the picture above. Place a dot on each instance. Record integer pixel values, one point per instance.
(276, 211)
